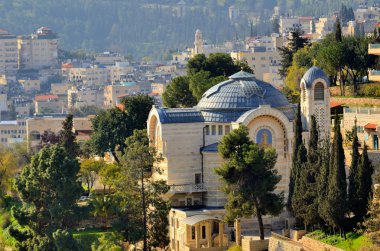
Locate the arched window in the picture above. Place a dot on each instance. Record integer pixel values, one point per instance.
(319, 92)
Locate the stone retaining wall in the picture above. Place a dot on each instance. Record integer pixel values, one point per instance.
(357, 101)
(279, 242)
(249, 243)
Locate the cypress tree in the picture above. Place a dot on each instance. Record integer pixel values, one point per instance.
(299, 185)
(306, 199)
(337, 187)
(365, 170)
(67, 137)
(338, 30)
(297, 143)
(323, 179)
(354, 179)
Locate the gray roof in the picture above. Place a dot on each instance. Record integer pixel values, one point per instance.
(313, 74)
(241, 92)
(213, 148)
(180, 115)
(227, 101)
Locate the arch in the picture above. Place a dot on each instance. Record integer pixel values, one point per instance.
(319, 91)
(152, 125)
(303, 91)
(249, 116)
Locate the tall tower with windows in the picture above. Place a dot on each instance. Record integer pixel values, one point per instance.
(315, 100)
(198, 43)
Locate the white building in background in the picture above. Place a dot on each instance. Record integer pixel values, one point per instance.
(39, 50)
(8, 53)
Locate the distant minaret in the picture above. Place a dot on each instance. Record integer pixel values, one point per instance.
(198, 43)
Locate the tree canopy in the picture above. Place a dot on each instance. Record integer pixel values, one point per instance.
(249, 178)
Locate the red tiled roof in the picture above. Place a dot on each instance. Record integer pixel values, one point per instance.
(370, 126)
(68, 65)
(335, 104)
(47, 97)
(123, 96)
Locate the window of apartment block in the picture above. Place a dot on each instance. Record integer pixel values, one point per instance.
(207, 130)
(220, 129)
(213, 129)
(198, 178)
(227, 129)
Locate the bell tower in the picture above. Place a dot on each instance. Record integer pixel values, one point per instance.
(198, 43)
(315, 100)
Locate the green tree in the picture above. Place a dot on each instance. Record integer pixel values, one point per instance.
(110, 129)
(249, 178)
(307, 187)
(48, 188)
(323, 178)
(64, 241)
(365, 170)
(139, 162)
(300, 182)
(89, 169)
(354, 176)
(107, 242)
(108, 174)
(294, 173)
(67, 138)
(178, 93)
(137, 109)
(104, 206)
(296, 42)
(337, 188)
(372, 224)
(338, 30)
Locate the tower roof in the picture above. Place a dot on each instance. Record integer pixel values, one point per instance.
(313, 74)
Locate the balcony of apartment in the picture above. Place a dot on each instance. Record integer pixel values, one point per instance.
(187, 188)
(374, 75)
(374, 49)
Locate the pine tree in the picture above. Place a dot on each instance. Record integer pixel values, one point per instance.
(337, 187)
(354, 179)
(365, 170)
(338, 31)
(297, 143)
(67, 137)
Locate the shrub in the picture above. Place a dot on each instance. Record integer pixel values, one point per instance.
(235, 248)
(5, 220)
(369, 90)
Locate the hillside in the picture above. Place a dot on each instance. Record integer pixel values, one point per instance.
(144, 27)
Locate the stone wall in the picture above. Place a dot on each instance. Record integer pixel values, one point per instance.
(311, 244)
(335, 90)
(279, 242)
(250, 243)
(357, 101)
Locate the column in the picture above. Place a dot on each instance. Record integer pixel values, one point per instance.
(238, 232)
(220, 234)
(208, 234)
(197, 236)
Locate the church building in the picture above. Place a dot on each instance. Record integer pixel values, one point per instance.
(187, 139)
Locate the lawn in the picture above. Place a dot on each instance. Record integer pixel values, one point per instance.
(86, 237)
(352, 242)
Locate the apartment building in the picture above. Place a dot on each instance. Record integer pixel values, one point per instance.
(113, 93)
(8, 53)
(35, 127)
(288, 24)
(109, 58)
(48, 103)
(30, 85)
(119, 72)
(374, 49)
(39, 50)
(259, 59)
(12, 132)
(87, 76)
(79, 97)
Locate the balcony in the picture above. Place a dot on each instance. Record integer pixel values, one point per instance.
(374, 75)
(187, 188)
(374, 49)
